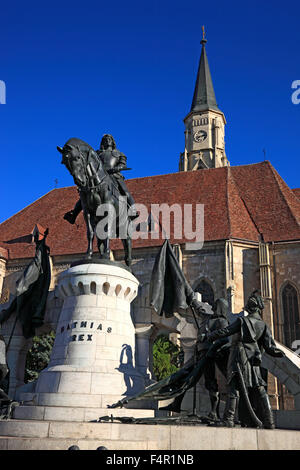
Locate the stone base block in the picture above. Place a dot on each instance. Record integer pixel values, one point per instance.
(65, 380)
(73, 400)
(30, 399)
(23, 443)
(43, 435)
(75, 414)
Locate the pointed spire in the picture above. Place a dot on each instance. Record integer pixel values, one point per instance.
(204, 94)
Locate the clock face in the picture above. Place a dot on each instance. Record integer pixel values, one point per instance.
(200, 136)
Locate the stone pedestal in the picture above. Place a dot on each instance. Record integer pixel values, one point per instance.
(92, 361)
(143, 332)
(17, 351)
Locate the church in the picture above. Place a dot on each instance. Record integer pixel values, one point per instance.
(251, 241)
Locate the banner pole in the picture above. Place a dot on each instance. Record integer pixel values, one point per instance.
(195, 361)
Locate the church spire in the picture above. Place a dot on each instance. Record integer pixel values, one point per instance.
(204, 125)
(204, 94)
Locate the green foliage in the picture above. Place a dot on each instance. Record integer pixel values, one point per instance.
(165, 357)
(38, 356)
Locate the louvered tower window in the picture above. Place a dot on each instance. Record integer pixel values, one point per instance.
(291, 315)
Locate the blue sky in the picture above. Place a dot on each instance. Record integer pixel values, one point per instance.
(82, 69)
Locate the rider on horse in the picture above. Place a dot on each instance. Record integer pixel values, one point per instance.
(113, 161)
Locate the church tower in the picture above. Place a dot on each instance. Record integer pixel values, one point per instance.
(204, 125)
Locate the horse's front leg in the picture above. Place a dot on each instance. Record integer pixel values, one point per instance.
(107, 248)
(105, 228)
(127, 244)
(90, 235)
(104, 248)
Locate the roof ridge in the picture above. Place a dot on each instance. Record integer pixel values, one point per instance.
(252, 164)
(196, 171)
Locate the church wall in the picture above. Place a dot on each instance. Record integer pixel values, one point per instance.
(286, 269)
(11, 272)
(285, 264)
(245, 273)
(285, 259)
(207, 264)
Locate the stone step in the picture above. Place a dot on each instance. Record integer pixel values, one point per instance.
(75, 414)
(43, 435)
(23, 443)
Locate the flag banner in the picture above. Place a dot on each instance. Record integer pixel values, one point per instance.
(32, 291)
(169, 289)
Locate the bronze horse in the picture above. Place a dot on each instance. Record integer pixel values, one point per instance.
(96, 190)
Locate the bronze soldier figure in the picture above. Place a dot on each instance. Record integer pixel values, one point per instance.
(250, 337)
(217, 354)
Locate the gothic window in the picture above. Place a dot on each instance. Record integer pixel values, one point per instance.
(291, 315)
(206, 291)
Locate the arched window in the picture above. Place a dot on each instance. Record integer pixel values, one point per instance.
(206, 291)
(291, 324)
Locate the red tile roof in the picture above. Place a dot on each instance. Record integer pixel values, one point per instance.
(273, 206)
(245, 202)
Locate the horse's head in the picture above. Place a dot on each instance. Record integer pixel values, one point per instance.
(74, 157)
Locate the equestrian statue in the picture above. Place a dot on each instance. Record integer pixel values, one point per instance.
(101, 186)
